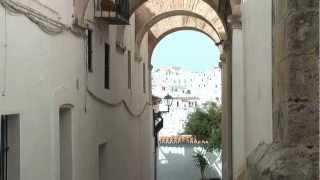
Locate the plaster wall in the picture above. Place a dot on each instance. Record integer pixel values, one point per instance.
(176, 162)
(40, 73)
(257, 45)
(60, 10)
(238, 102)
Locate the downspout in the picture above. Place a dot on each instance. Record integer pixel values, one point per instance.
(5, 59)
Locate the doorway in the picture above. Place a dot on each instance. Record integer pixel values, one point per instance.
(10, 147)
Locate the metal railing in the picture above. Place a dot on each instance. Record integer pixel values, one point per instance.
(113, 11)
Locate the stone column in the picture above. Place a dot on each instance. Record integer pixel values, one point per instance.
(296, 71)
(226, 67)
(238, 99)
(294, 153)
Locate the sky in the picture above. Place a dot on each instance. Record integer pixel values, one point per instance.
(191, 50)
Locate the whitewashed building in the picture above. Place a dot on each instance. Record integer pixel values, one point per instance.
(75, 86)
(73, 97)
(188, 89)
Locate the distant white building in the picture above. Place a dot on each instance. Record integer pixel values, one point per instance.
(189, 90)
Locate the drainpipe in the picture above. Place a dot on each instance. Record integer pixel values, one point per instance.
(5, 58)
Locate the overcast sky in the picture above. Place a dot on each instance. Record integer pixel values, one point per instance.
(190, 50)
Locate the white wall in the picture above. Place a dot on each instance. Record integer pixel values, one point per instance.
(45, 72)
(175, 162)
(256, 26)
(238, 102)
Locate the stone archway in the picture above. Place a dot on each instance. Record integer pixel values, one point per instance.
(212, 3)
(168, 17)
(176, 22)
(149, 24)
(154, 10)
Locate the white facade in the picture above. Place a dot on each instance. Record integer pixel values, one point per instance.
(189, 90)
(252, 81)
(44, 76)
(182, 83)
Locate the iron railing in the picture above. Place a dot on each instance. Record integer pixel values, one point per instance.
(113, 11)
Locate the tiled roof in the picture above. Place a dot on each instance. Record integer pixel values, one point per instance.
(182, 139)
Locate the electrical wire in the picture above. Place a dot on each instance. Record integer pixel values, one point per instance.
(53, 27)
(45, 23)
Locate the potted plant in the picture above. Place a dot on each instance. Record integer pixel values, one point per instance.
(201, 162)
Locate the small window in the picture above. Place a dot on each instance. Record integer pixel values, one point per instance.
(65, 142)
(129, 70)
(107, 67)
(89, 41)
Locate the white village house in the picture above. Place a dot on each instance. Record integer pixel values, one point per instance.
(189, 91)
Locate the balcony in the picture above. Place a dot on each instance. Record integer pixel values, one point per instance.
(114, 12)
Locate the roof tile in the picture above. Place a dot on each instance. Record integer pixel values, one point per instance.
(181, 139)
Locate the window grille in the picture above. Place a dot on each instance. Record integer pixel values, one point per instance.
(114, 11)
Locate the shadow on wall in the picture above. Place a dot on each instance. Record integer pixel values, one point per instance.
(176, 162)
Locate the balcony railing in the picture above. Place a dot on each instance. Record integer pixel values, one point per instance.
(113, 11)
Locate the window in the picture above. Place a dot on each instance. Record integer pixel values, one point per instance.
(90, 68)
(10, 147)
(129, 70)
(65, 142)
(107, 66)
(102, 150)
(144, 77)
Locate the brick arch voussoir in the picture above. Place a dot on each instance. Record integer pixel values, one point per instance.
(138, 3)
(147, 25)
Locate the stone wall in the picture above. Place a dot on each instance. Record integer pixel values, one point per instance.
(296, 71)
(294, 153)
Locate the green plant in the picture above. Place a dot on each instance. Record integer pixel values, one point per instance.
(201, 162)
(204, 124)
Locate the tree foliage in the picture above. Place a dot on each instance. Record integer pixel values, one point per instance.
(204, 124)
